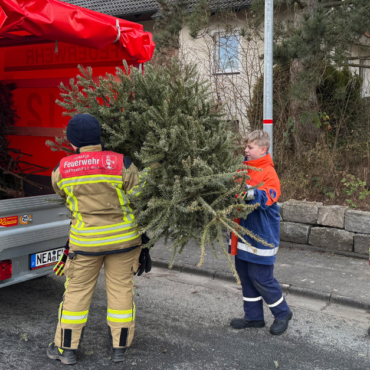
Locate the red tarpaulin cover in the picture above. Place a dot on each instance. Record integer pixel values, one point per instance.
(53, 20)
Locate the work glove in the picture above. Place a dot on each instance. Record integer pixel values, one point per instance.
(249, 194)
(59, 267)
(145, 262)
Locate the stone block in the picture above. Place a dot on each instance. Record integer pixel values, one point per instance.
(362, 243)
(357, 221)
(332, 216)
(333, 239)
(302, 212)
(294, 232)
(281, 210)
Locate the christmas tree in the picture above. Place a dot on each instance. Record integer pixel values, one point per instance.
(166, 121)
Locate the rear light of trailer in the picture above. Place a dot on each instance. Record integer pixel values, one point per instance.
(6, 269)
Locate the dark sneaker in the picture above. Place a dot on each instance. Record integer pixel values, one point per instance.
(279, 326)
(65, 356)
(243, 324)
(118, 354)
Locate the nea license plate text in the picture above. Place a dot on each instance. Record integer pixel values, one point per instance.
(47, 258)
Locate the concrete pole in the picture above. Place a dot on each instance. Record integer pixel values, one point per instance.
(268, 71)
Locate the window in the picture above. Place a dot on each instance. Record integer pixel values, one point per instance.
(227, 53)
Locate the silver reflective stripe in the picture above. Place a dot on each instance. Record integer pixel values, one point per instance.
(105, 229)
(276, 303)
(260, 252)
(104, 241)
(63, 183)
(252, 299)
(117, 316)
(68, 317)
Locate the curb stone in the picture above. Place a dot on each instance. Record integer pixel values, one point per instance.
(286, 288)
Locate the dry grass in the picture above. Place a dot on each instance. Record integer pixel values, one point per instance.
(319, 175)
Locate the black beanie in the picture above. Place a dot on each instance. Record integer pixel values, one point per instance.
(83, 130)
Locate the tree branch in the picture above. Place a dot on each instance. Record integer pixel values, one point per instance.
(358, 65)
(300, 3)
(336, 3)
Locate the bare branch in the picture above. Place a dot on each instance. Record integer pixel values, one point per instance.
(336, 3)
(301, 4)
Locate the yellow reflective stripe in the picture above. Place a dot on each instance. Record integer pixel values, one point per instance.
(71, 317)
(95, 242)
(119, 315)
(124, 202)
(105, 238)
(136, 190)
(66, 285)
(128, 226)
(79, 224)
(60, 311)
(72, 181)
(112, 182)
(71, 199)
(98, 228)
(74, 313)
(113, 319)
(97, 176)
(119, 312)
(66, 321)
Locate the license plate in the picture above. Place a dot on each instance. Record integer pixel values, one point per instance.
(47, 258)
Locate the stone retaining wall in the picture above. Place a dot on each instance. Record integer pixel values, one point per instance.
(334, 228)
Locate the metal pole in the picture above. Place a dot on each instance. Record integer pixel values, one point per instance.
(268, 71)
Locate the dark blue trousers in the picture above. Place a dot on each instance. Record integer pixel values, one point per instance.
(258, 283)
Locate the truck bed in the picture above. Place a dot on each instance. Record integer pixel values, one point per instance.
(28, 226)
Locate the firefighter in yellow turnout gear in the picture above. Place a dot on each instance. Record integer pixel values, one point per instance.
(95, 184)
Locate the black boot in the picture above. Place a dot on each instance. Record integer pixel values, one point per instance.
(243, 324)
(65, 356)
(118, 354)
(279, 326)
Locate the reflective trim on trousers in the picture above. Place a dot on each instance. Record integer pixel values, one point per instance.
(70, 317)
(276, 303)
(119, 316)
(252, 299)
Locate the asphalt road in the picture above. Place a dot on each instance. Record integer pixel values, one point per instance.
(183, 323)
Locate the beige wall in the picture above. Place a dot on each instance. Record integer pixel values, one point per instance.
(234, 89)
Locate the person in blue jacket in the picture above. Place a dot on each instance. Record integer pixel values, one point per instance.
(255, 262)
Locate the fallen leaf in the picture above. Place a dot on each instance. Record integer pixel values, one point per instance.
(276, 364)
(24, 337)
(195, 292)
(164, 351)
(89, 353)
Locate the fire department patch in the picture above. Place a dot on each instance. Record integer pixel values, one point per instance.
(109, 161)
(272, 193)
